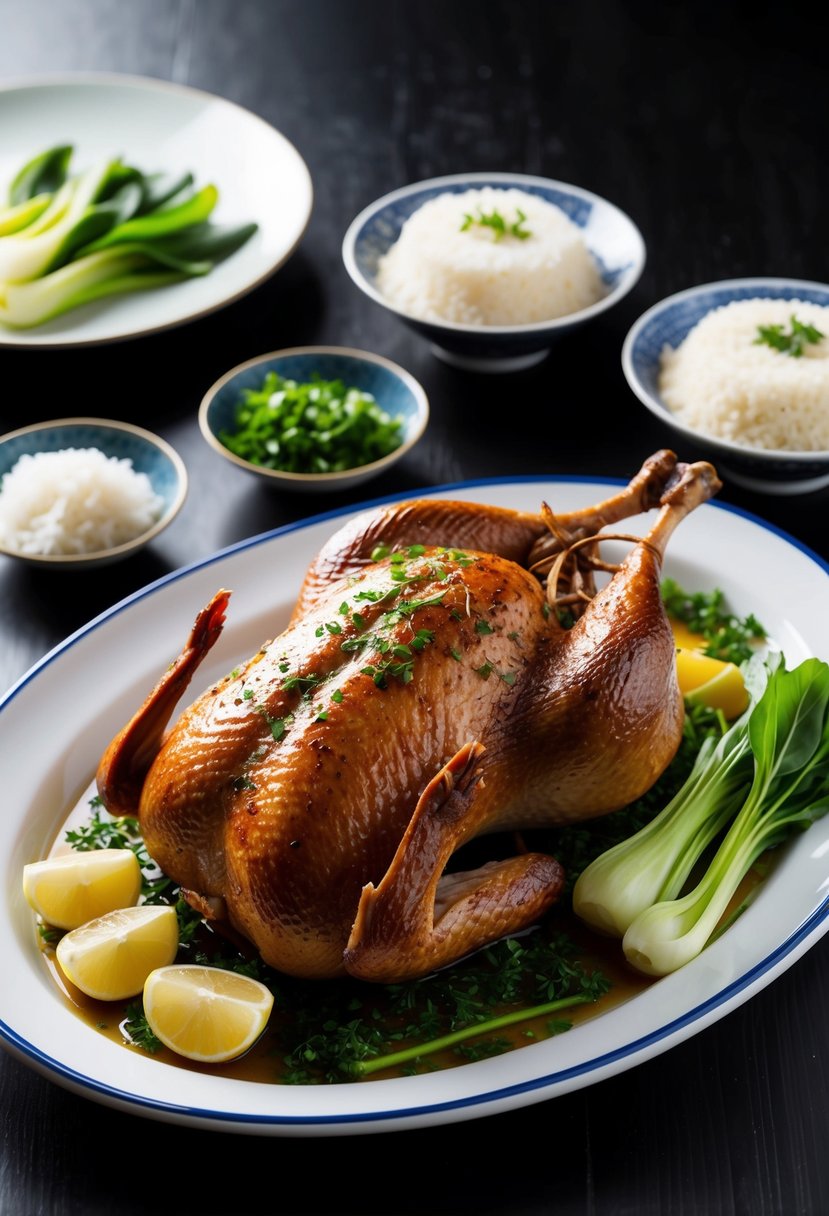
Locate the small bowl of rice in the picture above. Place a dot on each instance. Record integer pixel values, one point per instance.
(740, 369)
(493, 268)
(83, 492)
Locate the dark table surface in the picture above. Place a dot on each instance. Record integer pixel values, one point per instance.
(705, 123)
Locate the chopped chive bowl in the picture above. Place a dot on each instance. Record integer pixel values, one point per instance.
(395, 391)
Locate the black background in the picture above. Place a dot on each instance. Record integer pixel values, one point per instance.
(707, 124)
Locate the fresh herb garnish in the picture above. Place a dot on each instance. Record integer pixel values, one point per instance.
(499, 226)
(791, 343)
(727, 636)
(339, 1034)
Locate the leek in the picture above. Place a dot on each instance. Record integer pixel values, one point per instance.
(767, 777)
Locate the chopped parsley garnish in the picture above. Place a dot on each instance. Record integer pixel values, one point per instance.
(303, 683)
(791, 343)
(727, 636)
(338, 1032)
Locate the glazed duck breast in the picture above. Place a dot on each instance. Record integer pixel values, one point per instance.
(425, 692)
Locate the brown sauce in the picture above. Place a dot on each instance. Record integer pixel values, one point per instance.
(265, 1061)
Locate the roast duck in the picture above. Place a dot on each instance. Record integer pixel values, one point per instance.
(449, 670)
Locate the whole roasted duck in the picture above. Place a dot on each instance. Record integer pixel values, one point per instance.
(450, 670)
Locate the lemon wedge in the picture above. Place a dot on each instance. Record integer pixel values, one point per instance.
(694, 669)
(685, 638)
(110, 957)
(704, 680)
(206, 1013)
(69, 890)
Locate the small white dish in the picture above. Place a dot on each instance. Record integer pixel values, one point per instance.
(668, 323)
(394, 389)
(166, 127)
(148, 454)
(611, 237)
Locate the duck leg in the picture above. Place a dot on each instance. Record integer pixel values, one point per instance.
(519, 536)
(606, 687)
(417, 919)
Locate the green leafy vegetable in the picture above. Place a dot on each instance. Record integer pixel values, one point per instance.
(767, 778)
(322, 426)
(66, 240)
(43, 174)
(498, 225)
(791, 343)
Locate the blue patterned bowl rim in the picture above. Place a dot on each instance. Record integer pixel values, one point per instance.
(670, 320)
(620, 273)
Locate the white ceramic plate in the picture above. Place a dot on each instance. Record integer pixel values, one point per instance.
(167, 127)
(57, 719)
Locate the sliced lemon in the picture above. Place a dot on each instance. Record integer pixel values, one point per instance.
(685, 637)
(725, 691)
(707, 681)
(110, 957)
(69, 890)
(694, 669)
(206, 1013)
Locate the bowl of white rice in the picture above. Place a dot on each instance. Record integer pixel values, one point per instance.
(740, 369)
(493, 268)
(82, 492)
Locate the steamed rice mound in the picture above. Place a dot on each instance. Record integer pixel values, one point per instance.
(76, 500)
(437, 271)
(721, 382)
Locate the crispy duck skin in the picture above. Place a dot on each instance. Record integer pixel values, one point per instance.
(313, 798)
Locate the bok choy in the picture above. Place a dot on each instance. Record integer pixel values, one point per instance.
(764, 779)
(67, 239)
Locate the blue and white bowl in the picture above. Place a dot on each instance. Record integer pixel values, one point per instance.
(612, 238)
(668, 323)
(394, 389)
(149, 454)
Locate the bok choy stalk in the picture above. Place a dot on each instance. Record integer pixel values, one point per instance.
(653, 864)
(118, 270)
(767, 777)
(66, 240)
(27, 253)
